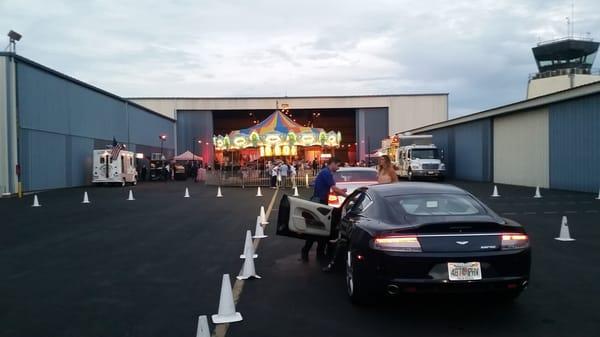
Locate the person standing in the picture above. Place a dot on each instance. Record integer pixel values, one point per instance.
(274, 173)
(385, 171)
(323, 184)
(315, 167)
(293, 174)
(143, 172)
(283, 172)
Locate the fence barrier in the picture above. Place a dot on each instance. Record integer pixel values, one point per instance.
(254, 178)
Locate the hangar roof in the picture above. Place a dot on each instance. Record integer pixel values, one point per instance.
(579, 91)
(20, 58)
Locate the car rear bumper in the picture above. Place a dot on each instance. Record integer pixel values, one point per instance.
(445, 286)
(428, 272)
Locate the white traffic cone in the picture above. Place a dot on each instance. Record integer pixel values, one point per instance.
(187, 193)
(86, 200)
(495, 194)
(248, 246)
(263, 217)
(258, 192)
(219, 194)
(258, 230)
(131, 198)
(296, 191)
(203, 330)
(36, 203)
(227, 313)
(537, 193)
(306, 178)
(564, 235)
(248, 270)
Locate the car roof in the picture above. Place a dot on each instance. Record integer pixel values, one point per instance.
(403, 187)
(357, 168)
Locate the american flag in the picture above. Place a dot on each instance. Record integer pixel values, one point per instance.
(116, 149)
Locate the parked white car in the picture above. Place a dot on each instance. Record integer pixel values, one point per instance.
(351, 178)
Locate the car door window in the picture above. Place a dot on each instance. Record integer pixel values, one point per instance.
(350, 202)
(362, 203)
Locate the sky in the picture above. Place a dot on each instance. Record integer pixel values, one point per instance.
(478, 51)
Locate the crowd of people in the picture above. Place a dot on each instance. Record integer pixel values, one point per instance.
(282, 171)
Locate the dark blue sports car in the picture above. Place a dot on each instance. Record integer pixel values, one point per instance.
(416, 237)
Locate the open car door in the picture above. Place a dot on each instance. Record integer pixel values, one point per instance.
(305, 219)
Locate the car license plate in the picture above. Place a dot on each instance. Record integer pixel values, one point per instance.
(464, 271)
(430, 172)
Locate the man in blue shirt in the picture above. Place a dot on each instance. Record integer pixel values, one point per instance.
(323, 184)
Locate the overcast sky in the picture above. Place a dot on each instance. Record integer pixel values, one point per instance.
(477, 51)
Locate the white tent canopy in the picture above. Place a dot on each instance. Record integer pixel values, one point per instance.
(187, 155)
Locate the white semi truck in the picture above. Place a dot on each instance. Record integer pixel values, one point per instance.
(120, 170)
(415, 156)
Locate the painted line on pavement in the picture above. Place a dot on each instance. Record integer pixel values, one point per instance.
(238, 286)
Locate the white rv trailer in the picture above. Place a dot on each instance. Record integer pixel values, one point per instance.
(121, 170)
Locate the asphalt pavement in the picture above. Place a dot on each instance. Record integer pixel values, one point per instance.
(149, 267)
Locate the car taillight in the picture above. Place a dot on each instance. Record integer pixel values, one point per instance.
(514, 241)
(397, 243)
(333, 200)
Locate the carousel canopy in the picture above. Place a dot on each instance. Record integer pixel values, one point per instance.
(277, 130)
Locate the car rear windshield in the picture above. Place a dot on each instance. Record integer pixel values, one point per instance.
(436, 204)
(351, 176)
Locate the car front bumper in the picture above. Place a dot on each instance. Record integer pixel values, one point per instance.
(428, 173)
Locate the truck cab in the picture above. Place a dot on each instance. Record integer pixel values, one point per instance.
(420, 161)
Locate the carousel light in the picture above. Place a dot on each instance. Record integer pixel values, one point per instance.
(278, 150)
(262, 151)
(268, 152)
(286, 150)
(294, 150)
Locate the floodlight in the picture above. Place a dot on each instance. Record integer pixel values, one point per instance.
(14, 36)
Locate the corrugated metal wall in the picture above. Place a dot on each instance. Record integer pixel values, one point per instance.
(371, 128)
(196, 124)
(444, 140)
(467, 149)
(574, 128)
(472, 150)
(521, 149)
(62, 121)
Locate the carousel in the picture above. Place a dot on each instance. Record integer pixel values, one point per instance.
(276, 137)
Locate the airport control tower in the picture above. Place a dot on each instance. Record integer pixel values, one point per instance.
(562, 64)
